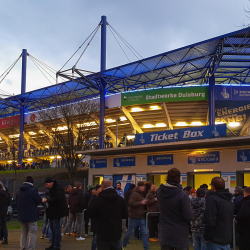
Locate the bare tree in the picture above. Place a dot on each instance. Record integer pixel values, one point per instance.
(71, 128)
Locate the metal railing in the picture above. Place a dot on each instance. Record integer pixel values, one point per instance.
(234, 235)
(83, 221)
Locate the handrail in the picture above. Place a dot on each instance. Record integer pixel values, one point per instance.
(147, 217)
(83, 221)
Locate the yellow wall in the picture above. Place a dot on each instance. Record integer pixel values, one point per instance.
(159, 179)
(247, 180)
(97, 180)
(200, 179)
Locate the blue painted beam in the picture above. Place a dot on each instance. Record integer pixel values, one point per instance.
(211, 100)
(103, 82)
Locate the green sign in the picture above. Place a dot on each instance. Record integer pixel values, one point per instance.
(179, 94)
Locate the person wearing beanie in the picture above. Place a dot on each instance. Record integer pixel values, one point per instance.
(27, 201)
(198, 205)
(56, 208)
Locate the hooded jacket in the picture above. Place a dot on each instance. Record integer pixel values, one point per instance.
(238, 200)
(198, 206)
(243, 217)
(108, 209)
(175, 214)
(4, 203)
(27, 201)
(135, 208)
(218, 217)
(57, 205)
(77, 201)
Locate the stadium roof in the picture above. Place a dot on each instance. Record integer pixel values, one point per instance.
(227, 57)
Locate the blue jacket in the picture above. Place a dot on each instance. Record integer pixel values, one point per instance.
(27, 201)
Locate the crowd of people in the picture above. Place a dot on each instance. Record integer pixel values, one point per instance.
(173, 214)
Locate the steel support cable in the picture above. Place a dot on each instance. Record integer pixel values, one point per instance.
(125, 42)
(11, 65)
(9, 69)
(81, 46)
(118, 42)
(45, 65)
(41, 71)
(87, 46)
(34, 61)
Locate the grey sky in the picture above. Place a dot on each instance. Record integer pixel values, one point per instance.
(51, 30)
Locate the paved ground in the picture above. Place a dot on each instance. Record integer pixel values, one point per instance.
(68, 242)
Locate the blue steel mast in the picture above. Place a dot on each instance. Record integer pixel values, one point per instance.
(103, 82)
(22, 108)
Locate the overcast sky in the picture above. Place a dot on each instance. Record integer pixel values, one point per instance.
(52, 30)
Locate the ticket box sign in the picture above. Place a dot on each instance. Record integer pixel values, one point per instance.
(98, 163)
(195, 133)
(155, 160)
(209, 157)
(243, 155)
(124, 162)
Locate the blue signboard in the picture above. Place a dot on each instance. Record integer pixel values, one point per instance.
(141, 176)
(236, 93)
(210, 157)
(243, 155)
(108, 177)
(124, 162)
(98, 163)
(155, 160)
(125, 180)
(228, 173)
(194, 133)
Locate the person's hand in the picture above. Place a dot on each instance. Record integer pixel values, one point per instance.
(144, 202)
(44, 200)
(155, 199)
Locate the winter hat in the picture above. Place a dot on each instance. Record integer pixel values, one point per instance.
(48, 180)
(200, 192)
(192, 191)
(29, 179)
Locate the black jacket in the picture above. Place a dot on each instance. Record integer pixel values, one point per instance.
(27, 201)
(175, 214)
(243, 217)
(218, 218)
(57, 205)
(77, 201)
(4, 203)
(108, 209)
(238, 200)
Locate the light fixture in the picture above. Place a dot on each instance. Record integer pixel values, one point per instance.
(110, 120)
(181, 124)
(234, 124)
(80, 155)
(196, 124)
(52, 157)
(154, 107)
(60, 128)
(161, 125)
(29, 159)
(9, 161)
(136, 109)
(203, 170)
(58, 157)
(32, 133)
(14, 136)
(216, 123)
(46, 146)
(123, 118)
(148, 126)
(129, 137)
(41, 132)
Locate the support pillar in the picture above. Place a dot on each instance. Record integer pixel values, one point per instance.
(22, 109)
(103, 83)
(211, 100)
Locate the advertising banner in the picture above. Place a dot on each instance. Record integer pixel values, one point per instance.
(98, 163)
(198, 158)
(235, 93)
(125, 180)
(124, 162)
(232, 111)
(243, 155)
(108, 177)
(194, 133)
(177, 94)
(155, 160)
(10, 122)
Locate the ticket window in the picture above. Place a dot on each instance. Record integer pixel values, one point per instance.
(195, 180)
(158, 179)
(243, 179)
(97, 180)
